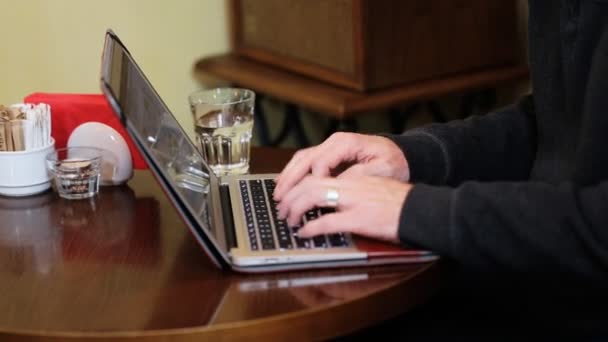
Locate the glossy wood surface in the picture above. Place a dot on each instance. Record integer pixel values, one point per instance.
(340, 102)
(123, 266)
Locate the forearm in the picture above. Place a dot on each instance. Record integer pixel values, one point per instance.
(497, 146)
(513, 226)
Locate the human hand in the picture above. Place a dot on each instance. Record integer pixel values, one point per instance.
(368, 206)
(370, 156)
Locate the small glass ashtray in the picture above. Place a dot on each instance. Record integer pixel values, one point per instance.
(75, 171)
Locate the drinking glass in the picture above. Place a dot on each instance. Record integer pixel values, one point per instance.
(223, 125)
(75, 171)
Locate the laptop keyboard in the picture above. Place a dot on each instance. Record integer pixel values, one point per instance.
(267, 232)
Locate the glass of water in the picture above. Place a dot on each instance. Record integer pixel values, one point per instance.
(223, 124)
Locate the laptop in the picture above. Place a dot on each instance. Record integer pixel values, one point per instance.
(233, 218)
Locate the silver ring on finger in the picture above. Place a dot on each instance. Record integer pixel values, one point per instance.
(332, 196)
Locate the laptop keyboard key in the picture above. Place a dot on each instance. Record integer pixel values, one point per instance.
(319, 241)
(300, 242)
(283, 234)
(326, 210)
(262, 215)
(303, 243)
(285, 242)
(312, 214)
(281, 230)
(251, 231)
(265, 230)
(337, 240)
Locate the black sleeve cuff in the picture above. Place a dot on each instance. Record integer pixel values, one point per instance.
(425, 218)
(425, 155)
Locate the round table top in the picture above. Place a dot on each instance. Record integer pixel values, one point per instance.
(123, 265)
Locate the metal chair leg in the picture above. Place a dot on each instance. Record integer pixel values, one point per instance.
(293, 120)
(260, 122)
(291, 124)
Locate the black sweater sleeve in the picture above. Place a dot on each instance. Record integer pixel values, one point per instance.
(497, 146)
(558, 226)
(513, 226)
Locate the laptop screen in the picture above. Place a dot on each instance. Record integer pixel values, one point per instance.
(171, 155)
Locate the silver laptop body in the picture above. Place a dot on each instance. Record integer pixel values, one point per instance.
(214, 208)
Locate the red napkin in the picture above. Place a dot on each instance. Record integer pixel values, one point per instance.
(69, 111)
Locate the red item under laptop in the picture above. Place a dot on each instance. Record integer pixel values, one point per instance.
(69, 111)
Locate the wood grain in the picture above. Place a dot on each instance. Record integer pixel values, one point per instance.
(366, 45)
(123, 267)
(339, 102)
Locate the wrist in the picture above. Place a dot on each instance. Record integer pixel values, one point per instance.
(404, 169)
(401, 167)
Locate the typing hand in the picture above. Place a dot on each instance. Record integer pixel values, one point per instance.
(369, 156)
(365, 205)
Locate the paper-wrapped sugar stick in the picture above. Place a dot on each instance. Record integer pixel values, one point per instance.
(46, 124)
(3, 146)
(5, 116)
(17, 135)
(8, 135)
(29, 134)
(25, 126)
(16, 113)
(5, 113)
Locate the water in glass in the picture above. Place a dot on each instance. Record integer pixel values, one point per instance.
(224, 137)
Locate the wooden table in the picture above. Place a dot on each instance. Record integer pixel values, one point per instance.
(342, 104)
(123, 266)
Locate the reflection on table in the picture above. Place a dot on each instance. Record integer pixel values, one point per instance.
(125, 264)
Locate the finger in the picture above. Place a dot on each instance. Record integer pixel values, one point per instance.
(310, 190)
(293, 172)
(297, 157)
(364, 169)
(339, 148)
(284, 206)
(337, 222)
(303, 203)
(319, 160)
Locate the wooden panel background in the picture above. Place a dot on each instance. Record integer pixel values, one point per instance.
(366, 45)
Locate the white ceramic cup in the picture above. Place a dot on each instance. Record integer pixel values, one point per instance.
(24, 173)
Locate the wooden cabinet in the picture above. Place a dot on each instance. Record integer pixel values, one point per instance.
(371, 44)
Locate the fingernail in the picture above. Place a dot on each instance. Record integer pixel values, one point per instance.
(280, 213)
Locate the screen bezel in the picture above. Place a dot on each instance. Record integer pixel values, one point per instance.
(207, 241)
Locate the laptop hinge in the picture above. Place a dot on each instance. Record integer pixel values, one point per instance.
(228, 218)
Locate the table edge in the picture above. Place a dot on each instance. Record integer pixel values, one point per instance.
(423, 283)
